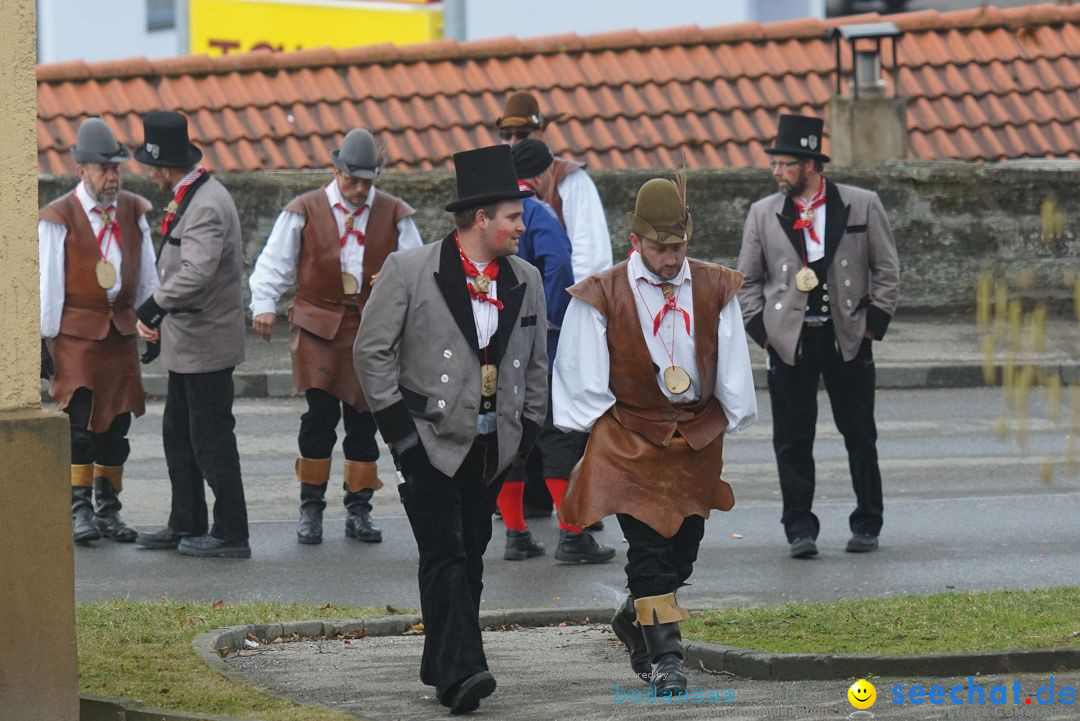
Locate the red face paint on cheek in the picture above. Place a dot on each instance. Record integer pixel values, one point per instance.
(502, 238)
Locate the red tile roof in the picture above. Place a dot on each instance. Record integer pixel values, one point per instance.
(984, 85)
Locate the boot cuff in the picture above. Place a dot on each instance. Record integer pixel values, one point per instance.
(313, 471)
(659, 609)
(113, 474)
(360, 475)
(82, 475)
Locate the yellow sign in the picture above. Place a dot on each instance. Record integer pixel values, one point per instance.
(224, 27)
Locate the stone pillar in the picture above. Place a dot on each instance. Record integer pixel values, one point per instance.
(868, 131)
(39, 679)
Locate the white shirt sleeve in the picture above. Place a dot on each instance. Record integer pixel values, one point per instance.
(275, 270)
(734, 376)
(408, 234)
(580, 392)
(51, 263)
(590, 241)
(148, 276)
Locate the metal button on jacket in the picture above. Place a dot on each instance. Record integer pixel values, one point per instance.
(448, 353)
(441, 404)
(778, 306)
(843, 263)
(445, 378)
(517, 363)
(847, 282)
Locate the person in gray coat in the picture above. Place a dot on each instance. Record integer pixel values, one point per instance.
(197, 316)
(452, 356)
(822, 278)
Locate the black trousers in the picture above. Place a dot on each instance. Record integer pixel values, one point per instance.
(318, 432)
(197, 430)
(110, 448)
(554, 455)
(793, 392)
(451, 521)
(656, 565)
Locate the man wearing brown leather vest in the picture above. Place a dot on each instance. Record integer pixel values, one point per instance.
(653, 360)
(332, 242)
(97, 263)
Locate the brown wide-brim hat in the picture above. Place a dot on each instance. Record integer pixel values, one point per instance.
(661, 214)
(523, 111)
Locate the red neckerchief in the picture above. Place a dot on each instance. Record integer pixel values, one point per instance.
(108, 226)
(170, 211)
(806, 212)
(671, 303)
(491, 271)
(350, 218)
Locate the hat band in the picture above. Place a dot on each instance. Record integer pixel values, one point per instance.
(520, 120)
(656, 234)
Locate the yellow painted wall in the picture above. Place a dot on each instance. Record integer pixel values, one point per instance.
(221, 27)
(39, 676)
(19, 316)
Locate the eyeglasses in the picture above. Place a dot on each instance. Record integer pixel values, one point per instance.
(785, 164)
(519, 134)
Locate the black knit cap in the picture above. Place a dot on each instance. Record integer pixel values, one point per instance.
(531, 157)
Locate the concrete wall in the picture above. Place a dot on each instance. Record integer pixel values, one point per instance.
(38, 665)
(951, 220)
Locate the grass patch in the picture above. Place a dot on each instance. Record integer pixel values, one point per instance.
(139, 650)
(943, 623)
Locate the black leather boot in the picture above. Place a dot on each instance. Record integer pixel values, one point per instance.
(624, 624)
(581, 548)
(521, 545)
(82, 515)
(664, 643)
(358, 525)
(309, 527)
(107, 505)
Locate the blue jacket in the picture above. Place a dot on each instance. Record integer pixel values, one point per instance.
(546, 245)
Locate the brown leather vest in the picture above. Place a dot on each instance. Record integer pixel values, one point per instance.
(320, 300)
(640, 405)
(562, 168)
(87, 312)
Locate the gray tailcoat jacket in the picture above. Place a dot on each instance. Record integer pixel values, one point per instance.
(417, 359)
(863, 270)
(201, 290)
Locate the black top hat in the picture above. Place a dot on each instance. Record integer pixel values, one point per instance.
(166, 141)
(485, 176)
(799, 135)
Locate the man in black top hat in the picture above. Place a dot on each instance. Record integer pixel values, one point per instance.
(197, 315)
(451, 354)
(821, 282)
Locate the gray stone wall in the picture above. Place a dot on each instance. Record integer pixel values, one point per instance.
(951, 220)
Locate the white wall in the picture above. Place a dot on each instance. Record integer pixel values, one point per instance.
(496, 18)
(93, 30)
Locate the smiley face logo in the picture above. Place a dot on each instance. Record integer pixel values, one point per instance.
(862, 694)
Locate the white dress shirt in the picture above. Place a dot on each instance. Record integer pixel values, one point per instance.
(815, 251)
(51, 239)
(580, 383)
(590, 241)
(275, 269)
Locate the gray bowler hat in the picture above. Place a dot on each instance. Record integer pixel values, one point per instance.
(95, 143)
(358, 156)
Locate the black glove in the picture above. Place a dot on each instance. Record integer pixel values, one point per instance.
(48, 368)
(413, 461)
(153, 350)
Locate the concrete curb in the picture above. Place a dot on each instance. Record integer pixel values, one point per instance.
(105, 708)
(278, 383)
(709, 657)
(823, 667)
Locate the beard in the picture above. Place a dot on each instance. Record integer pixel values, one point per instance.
(103, 196)
(794, 188)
